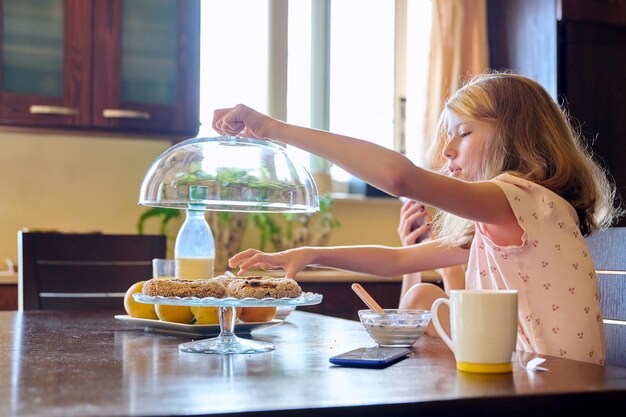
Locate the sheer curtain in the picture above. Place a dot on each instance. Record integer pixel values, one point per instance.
(458, 49)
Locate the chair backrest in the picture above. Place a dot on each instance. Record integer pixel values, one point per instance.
(608, 250)
(59, 271)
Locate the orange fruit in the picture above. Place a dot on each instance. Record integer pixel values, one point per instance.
(176, 314)
(257, 314)
(135, 309)
(209, 315)
(206, 315)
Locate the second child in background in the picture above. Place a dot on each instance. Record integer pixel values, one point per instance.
(415, 227)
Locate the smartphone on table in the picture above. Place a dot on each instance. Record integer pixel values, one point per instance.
(371, 357)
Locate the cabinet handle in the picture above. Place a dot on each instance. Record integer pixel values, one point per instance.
(125, 114)
(54, 110)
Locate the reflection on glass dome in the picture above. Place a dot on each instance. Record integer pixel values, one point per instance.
(229, 174)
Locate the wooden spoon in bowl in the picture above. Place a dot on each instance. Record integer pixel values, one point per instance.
(366, 298)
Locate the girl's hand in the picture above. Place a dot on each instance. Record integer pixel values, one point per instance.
(414, 223)
(241, 120)
(292, 261)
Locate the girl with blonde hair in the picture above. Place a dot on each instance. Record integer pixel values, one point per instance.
(517, 192)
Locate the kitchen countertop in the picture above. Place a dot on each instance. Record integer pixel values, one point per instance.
(313, 275)
(332, 275)
(7, 278)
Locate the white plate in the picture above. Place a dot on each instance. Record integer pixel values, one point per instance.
(204, 330)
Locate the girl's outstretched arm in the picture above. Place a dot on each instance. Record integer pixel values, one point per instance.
(383, 168)
(375, 260)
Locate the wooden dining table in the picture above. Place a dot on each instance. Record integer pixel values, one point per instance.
(74, 363)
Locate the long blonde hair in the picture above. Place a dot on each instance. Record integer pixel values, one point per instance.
(533, 139)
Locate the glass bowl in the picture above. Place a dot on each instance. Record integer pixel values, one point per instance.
(229, 174)
(395, 327)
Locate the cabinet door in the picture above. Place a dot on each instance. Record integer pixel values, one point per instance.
(45, 62)
(146, 65)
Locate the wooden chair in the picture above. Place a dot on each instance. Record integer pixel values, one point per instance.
(60, 271)
(608, 249)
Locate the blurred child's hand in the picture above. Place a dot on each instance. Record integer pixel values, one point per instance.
(414, 223)
(292, 261)
(241, 120)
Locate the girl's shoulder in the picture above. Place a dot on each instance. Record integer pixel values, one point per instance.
(523, 184)
(515, 180)
(524, 195)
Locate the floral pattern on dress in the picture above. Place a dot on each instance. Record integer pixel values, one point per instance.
(559, 310)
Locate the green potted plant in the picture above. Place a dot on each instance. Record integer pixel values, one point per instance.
(289, 230)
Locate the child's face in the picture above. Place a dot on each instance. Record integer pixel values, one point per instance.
(465, 148)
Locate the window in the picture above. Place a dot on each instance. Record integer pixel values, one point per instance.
(362, 70)
(233, 57)
(365, 70)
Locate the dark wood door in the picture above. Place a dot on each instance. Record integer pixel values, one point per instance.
(45, 63)
(592, 58)
(146, 65)
(577, 50)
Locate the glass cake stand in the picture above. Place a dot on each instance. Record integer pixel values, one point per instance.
(227, 342)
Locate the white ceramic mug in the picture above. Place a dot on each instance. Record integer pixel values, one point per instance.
(483, 327)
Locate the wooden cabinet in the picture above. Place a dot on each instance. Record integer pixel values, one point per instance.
(8, 297)
(115, 65)
(577, 50)
(341, 301)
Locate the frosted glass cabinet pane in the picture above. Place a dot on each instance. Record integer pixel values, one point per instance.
(149, 35)
(32, 56)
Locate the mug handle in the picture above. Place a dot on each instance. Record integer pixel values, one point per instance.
(435, 319)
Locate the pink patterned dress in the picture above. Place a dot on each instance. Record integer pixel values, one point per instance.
(552, 270)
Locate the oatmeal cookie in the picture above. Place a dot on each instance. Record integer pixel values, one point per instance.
(263, 287)
(200, 288)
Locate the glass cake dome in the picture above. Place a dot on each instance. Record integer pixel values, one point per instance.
(229, 174)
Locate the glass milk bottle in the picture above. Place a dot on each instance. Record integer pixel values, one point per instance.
(194, 252)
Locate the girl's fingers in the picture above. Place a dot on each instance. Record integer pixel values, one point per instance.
(240, 120)
(291, 272)
(410, 214)
(416, 216)
(409, 207)
(407, 210)
(412, 209)
(218, 115)
(422, 229)
(406, 206)
(263, 261)
(232, 128)
(236, 259)
(411, 238)
(227, 121)
(250, 262)
(403, 226)
(247, 133)
(415, 234)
